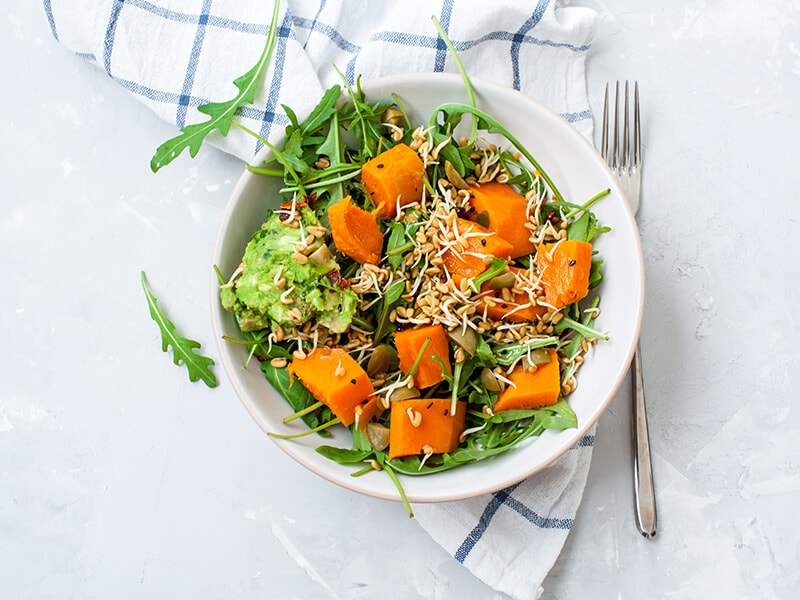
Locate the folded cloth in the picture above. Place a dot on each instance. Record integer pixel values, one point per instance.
(175, 55)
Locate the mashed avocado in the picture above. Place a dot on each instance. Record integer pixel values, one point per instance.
(272, 286)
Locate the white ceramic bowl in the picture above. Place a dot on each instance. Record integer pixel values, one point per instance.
(580, 173)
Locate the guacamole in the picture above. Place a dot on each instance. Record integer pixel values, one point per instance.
(273, 285)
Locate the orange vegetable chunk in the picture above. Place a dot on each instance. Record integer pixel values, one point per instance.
(507, 211)
(363, 413)
(355, 232)
(395, 173)
(534, 389)
(481, 245)
(435, 426)
(509, 310)
(564, 268)
(409, 343)
(334, 378)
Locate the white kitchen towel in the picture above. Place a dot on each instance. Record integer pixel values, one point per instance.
(175, 55)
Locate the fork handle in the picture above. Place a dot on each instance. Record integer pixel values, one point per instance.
(643, 490)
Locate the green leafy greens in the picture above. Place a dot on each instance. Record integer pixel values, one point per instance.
(221, 113)
(183, 349)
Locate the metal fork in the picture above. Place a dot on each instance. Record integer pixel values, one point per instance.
(623, 154)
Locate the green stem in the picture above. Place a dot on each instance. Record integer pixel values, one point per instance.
(400, 249)
(316, 429)
(413, 370)
(587, 204)
(464, 77)
(390, 472)
(362, 471)
(278, 155)
(302, 413)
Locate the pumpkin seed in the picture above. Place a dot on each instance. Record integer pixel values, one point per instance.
(377, 435)
(503, 280)
(490, 382)
(392, 116)
(379, 361)
(535, 358)
(402, 393)
(467, 340)
(454, 177)
(321, 255)
(483, 219)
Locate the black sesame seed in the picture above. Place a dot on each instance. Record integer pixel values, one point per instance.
(430, 404)
(483, 241)
(353, 381)
(339, 308)
(504, 305)
(446, 410)
(572, 263)
(380, 165)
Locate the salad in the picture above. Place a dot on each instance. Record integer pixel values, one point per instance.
(421, 284)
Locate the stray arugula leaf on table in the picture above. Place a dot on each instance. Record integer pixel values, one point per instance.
(183, 349)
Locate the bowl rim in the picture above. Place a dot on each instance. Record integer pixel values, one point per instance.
(572, 436)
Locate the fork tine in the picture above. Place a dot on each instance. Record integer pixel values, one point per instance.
(637, 137)
(615, 152)
(604, 142)
(626, 154)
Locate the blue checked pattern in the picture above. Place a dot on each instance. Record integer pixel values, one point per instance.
(312, 36)
(175, 55)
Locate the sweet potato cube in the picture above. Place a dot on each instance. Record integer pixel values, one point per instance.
(394, 176)
(365, 411)
(334, 378)
(409, 343)
(534, 389)
(518, 309)
(481, 245)
(564, 267)
(507, 210)
(355, 232)
(418, 423)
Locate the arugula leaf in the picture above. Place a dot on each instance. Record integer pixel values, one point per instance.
(453, 111)
(183, 349)
(324, 110)
(384, 308)
(585, 228)
(497, 267)
(192, 136)
(344, 456)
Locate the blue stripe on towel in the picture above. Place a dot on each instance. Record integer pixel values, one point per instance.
(191, 68)
(441, 47)
(498, 500)
(111, 30)
(485, 519)
(270, 116)
(48, 11)
(520, 36)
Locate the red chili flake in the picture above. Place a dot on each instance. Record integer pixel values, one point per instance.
(552, 216)
(310, 198)
(287, 206)
(336, 278)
